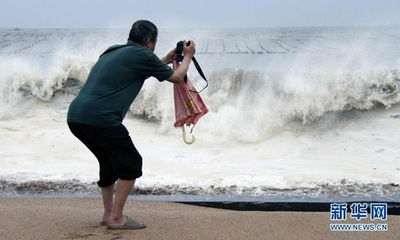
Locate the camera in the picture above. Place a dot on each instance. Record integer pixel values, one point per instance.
(179, 50)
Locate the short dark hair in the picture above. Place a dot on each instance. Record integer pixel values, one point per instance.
(143, 30)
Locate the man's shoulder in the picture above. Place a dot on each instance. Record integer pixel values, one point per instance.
(131, 53)
(127, 48)
(112, 48)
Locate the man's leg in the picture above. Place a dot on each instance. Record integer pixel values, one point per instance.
(107, 194)
(123, 189)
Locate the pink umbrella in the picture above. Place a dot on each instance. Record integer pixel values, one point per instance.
(189, 107)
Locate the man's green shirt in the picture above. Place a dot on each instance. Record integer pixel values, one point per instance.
(113, 84)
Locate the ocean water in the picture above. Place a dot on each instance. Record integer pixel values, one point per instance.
(308, 112)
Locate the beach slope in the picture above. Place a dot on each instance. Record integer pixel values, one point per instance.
(78, 218)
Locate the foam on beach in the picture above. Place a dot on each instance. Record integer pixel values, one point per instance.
(306, 110)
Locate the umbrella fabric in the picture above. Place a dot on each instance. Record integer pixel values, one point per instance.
(189, 107)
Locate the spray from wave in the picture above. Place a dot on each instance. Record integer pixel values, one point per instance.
(245, 105)
(262, 84)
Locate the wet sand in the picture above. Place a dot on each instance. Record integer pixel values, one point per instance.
(78, 218)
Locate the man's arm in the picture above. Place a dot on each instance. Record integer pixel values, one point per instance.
(169, 58)
(180, 72)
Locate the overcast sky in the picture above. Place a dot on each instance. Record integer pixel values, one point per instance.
(199, 13)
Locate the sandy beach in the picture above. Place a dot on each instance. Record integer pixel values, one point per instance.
(78, 218)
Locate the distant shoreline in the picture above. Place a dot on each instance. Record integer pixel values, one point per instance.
(163, 29)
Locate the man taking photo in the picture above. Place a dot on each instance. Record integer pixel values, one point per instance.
(95, 116)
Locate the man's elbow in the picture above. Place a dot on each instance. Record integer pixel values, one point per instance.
(175, 78)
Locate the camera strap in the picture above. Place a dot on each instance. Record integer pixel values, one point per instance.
(199, 70)
(197, 65)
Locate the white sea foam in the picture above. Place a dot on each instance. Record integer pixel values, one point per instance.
(289, 109)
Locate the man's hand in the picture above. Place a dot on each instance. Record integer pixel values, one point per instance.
(189, 50)
(169, 58)
(180, 72)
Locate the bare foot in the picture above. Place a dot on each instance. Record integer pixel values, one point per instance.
(106, 219)
(125, 223)
(117, 221)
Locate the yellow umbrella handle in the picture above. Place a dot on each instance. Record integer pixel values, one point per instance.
(184, 136)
